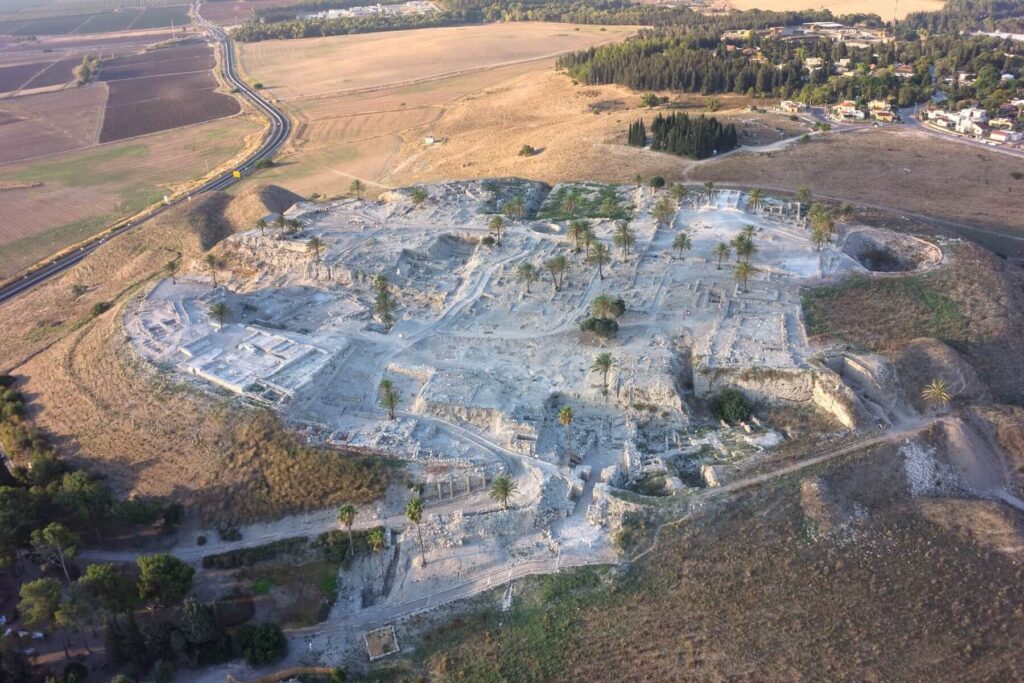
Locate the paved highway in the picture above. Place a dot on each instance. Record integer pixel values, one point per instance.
(275, 137)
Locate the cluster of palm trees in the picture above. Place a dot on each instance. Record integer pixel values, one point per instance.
(743, 245)
(514, 208)
(823, 222)
(384, 303)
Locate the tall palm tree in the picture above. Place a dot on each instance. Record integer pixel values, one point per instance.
(388, 396)
(846, 211)
(262, 225)
(414, 513)
(937, 393)
(357, 188)
(316, 245)
(418, 196)
(565, 418)
(663, 211)
(678, 192)
(380, 282)
(745, 249)
(609, 206)
(526, 272)
(503, 489)
(603, 364)
(495, 226)
(803, 196)
(211, 263)
(514, 208)
(722, 251)
(682, 242)
(603, 306)
(347, 517)
(600, 255)
(220, 312)
(577, 229)
(384, 306)
(557, 265)
(709, 190)
(281, 221)
(742, 271)
(375, 539)
(588, 240)
(570, 202)
(819, 238)
(172, 270)
(755, 200)
(749, 231)
(624, 237)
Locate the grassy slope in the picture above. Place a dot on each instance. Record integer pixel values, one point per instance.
(750, 592)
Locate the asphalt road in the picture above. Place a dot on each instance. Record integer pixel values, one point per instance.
(275, 137)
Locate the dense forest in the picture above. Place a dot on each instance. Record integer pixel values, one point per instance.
(696, 61)
(697, 138)
(968, 15)
(281, 23)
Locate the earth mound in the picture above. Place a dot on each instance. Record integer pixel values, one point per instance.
(256, 202)
(925, 359)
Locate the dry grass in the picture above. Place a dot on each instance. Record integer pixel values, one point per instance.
(889, 167)
(975, 303)
(754, 591)
(355, 109)
(883, 8)
(84, 191)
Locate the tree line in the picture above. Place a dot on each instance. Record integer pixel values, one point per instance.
(678, 133)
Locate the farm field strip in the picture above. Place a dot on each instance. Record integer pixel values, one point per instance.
(100, 22)
(51, 123)
(16, 77)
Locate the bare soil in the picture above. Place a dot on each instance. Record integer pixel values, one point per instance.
(886, 10)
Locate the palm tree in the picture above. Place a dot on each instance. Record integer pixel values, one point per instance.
(846, 211)
(418, 196)
(570, 202)
(565, 417)
(557, 266)
(380, 282)
(514, 208)
(316, 245)
(577, 229)
(755, 200)
(682, 242)
(624, 237)
(496, 225)
(384, 306)
(600, 255)
(526, 272)
(357, 188)
(347, 517)
(819, 238)
(722, 251)
(388, 396)
(609, 207)
(663, 211)
(678, 192)
(414, 513)
(220, 312)
(603, 363)
(745, 248)
(375, 539)
(742, 271)
(281, 221)
(709, 190)
(503, 489)
(262, 225)
(211, 262)
(172, 270)
(803, 196)
(937, 393)
(603, 306)
(749, 231)
(588, 240)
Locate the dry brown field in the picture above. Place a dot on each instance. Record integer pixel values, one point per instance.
(889, 168)
(51, 123)
(883, 8)
(357, 99)
(83, 191)
(229, 12)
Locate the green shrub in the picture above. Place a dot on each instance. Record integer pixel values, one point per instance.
(603, 328)
(657, 182)
(101, 307)
(730, 405)
(246, 557)
(261, 644)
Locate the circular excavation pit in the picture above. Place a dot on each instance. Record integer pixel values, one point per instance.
(880, 251)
